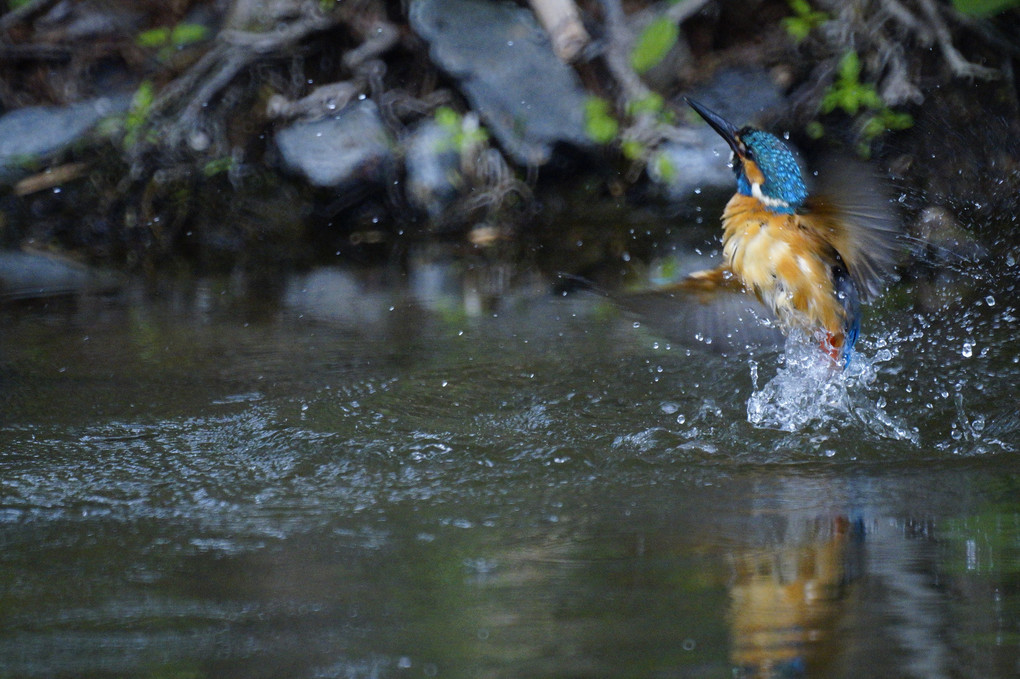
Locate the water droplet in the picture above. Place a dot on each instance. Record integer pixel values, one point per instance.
(681, 418)
(968, 350)
(989, 300)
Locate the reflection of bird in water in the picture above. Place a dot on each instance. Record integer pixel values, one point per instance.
(811, 260)
(786, 602)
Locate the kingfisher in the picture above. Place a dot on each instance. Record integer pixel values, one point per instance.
(811, 259)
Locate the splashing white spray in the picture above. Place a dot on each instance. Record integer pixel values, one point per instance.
(808, 390)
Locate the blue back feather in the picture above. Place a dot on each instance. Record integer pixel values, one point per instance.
(846, 293)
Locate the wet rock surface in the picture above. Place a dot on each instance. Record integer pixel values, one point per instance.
(351, 147)
(504, 64)
(35, 133)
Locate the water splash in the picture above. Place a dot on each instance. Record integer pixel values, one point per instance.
(809, 391)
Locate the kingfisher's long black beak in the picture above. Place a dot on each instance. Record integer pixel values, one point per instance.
(726, 129)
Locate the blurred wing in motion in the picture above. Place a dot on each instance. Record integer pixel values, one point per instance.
(710, 308)
(851, 210)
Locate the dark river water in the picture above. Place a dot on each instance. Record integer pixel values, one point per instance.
(342, 477)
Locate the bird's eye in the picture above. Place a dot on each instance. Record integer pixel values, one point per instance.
(748, 153)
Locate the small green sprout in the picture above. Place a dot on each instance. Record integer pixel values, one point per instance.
(804, 19)
(851, 96)
(167, 40)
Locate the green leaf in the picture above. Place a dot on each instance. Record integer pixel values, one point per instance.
(664, 166)
(218, 166)
(850, 68)
(138, 113)
(848, 101)
(143, 97)
(829, 101)
(632, 150)
(800, 7)
(599, 123)
(154, 37)
(895, 120)
(805, 18)
(873, 128)
(188, 34)
(797, 28)
(654, 44)
(653, 103)
(815, 129)
(869, 97)
(448, 119)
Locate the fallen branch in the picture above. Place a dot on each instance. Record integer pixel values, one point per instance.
(562, 22)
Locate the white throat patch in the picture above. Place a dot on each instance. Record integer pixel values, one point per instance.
(768, 202)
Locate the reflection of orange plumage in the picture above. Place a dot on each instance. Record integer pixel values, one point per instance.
(785, 602)
(809, 259)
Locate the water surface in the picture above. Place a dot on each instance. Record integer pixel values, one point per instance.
(339, 477)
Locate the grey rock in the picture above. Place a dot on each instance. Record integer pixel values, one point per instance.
(689, 168)
(744, 96)
(38, 132)
(348, 148)
(504, 63)
(433, 168)
(30, 275)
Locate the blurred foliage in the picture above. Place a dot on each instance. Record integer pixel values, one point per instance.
(168, 40)
(848, 92)
(663, 165)
(654, 43)
(461, 135)
(219, 166)
(138, 114)
(984, 8)
(653, 104)
(599, 123)
(804, 19)
(852, 96)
